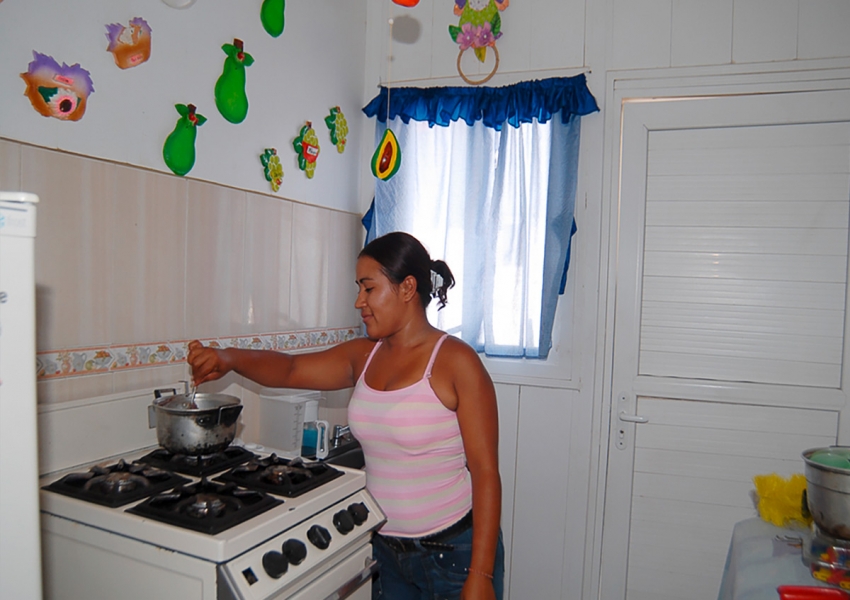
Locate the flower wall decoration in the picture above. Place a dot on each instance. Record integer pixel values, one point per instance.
(480, 25)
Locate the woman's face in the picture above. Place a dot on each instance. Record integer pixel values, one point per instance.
(378, 300)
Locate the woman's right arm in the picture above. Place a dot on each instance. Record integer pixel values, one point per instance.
(331, 369)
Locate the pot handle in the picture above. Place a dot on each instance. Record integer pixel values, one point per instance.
(227, 415)
(151, 416)
(158, 393)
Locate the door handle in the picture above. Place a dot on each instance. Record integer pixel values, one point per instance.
(624, 416)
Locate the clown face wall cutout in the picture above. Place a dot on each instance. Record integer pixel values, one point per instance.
(130, 46)
(57, 91)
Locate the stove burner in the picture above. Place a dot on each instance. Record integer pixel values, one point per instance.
(198, 466)
(280, 476)
(283, 474)
(117, 484)
(205, 506)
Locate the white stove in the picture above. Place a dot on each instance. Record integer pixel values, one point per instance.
(313, 546)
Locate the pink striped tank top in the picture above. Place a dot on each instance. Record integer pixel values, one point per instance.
(415, 463)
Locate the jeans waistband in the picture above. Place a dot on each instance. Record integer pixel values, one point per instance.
(434, 541)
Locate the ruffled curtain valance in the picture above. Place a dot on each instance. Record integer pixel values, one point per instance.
(514, 104)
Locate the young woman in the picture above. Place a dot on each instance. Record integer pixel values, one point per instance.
(424, 410)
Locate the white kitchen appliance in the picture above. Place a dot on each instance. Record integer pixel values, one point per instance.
(20, 550)
(243, 524)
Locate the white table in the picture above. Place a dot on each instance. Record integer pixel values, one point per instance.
(759, 561)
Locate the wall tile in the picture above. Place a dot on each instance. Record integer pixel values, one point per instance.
(10, 166)
(154, 377)
(268, 257)
(824, 29)
(641, 33)
(73, 246)
(214, 260)
(764, 30)
(346, 241)
(311, 233)
(75, 388)
(702, 32)
(148, 283)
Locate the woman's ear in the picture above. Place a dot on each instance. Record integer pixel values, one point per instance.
(407, 288)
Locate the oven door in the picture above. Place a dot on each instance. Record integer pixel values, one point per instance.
(350, 578)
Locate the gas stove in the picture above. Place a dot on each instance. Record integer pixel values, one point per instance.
(248, 524)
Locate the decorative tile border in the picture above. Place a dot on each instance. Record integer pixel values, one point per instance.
(108, 359)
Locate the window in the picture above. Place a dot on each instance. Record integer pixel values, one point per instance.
(495, 202)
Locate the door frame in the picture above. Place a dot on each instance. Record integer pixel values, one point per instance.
(633, 86)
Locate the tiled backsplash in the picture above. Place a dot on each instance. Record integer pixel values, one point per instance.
(132, 263)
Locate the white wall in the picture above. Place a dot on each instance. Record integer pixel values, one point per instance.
(317, 63)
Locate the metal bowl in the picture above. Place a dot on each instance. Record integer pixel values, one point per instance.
(828, 493)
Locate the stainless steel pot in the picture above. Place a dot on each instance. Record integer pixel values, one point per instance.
(203, 424)
(828, 493)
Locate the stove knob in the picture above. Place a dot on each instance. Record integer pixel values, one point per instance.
(343, 522)
(319, 537)
(359, 513)
(275, 563)
(295, 551)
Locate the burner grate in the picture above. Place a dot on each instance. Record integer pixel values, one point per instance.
(117, 484)
(280, 476)
(198, 466)
(206, 506)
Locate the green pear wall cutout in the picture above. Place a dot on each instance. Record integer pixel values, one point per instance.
(230, 97)
(179, 148)
(271, 16)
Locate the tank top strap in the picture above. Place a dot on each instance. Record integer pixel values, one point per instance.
(369, 360)
(434, 355)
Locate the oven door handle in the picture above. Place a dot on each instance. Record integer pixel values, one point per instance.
(353, 584)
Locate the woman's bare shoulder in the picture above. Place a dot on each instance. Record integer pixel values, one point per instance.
(459, 354)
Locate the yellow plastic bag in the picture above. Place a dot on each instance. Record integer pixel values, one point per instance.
(780, 500)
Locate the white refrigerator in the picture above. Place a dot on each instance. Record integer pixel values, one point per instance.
(20, 538)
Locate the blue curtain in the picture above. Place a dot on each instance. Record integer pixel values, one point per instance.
(497, 203)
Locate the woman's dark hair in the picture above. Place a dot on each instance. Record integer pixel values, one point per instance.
(400, 254)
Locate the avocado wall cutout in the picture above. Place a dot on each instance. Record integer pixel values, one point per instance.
(338, 126)
(179, 148)
(130, 46)
(56, 90)
(230, 97)
(306, 146)
(272, 16)
(272, 168)
(387, 157)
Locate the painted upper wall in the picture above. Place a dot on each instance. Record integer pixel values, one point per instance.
(542, 37)
(317, 63)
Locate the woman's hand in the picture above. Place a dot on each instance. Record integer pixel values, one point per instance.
(207, 364)
(477, 587)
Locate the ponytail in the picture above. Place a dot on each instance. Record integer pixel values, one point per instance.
(401, 255)
(441, 280)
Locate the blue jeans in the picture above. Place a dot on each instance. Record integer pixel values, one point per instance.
(427, 574)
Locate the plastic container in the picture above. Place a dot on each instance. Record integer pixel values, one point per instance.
(282, 414)
(315, 437)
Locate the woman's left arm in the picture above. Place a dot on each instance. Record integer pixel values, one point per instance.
(478, 417)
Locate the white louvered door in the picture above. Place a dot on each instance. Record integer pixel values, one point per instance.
(729, 323)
